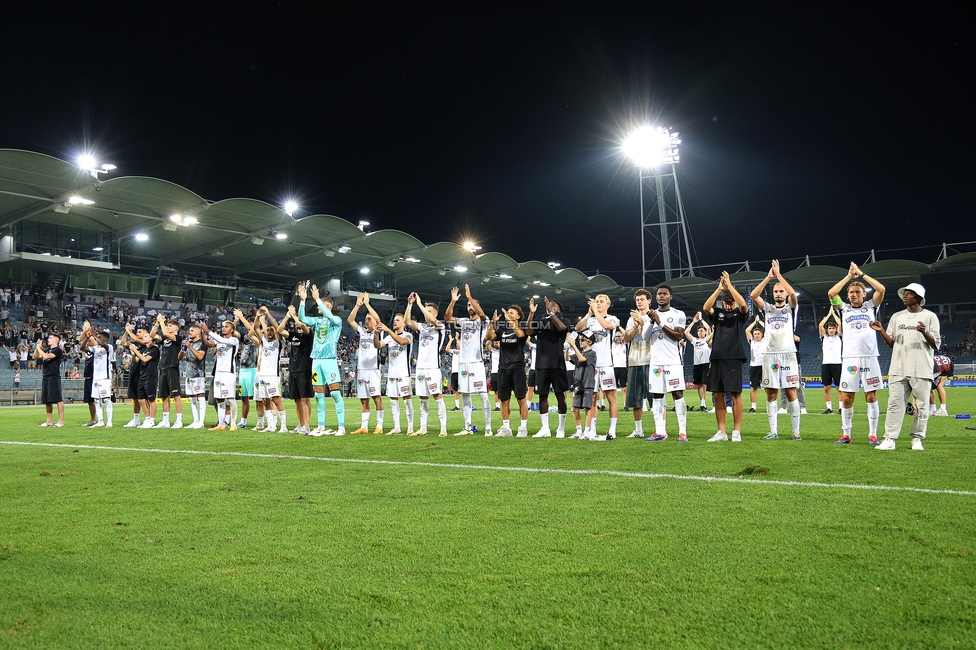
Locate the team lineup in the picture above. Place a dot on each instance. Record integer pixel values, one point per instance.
(536, 351)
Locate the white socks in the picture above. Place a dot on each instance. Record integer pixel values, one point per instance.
(771, 410)
(487, 410)
(846, 420)
(681, 410)
(658, 410)
(442, 413)
(874, 414)
(795, 415)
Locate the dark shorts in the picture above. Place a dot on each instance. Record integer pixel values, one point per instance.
(620, 376)
(583, 399)
(510, 380)
(700, 374)
(300, 385)
(23, 365)
(533, 375)
(755, 377)
(454, 382)
(51, 390)
(88, 391)
(550, 380)
(169, 382)
(830, 374)
(493, 378)
(638, 380)
(725, 376)
(133, 388)
(146, 390)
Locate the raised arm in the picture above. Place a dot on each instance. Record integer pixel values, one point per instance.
(449, 312)
(351, 318)
(407, 315)
(756, 294)
(820, 325)
(790, 293)
(474, 303)
(751, 326)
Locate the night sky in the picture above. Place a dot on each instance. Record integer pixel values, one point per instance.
(814, 129)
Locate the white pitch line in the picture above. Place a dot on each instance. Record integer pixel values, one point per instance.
(497, 468)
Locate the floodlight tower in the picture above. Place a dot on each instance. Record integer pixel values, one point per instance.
(654, 151)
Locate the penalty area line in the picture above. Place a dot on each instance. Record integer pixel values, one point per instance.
(501, 468)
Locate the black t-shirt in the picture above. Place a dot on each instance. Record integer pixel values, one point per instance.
(728, 342)
(169, 353)
(149, 369)
(89, 363)
(52, 366)
(510, 348)
(299, 351)
(549, 344)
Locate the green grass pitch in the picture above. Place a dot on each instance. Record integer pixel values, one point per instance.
(272, 540)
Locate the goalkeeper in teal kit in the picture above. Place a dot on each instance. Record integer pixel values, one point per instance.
(325, 366)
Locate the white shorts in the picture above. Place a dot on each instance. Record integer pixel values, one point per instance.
(368, 383)
(101, 389)
(195, 385)
(605, 379)
(666, 379)
(780, 370)
(471, 378)
(397, 387)
(863, 371)
(224, 385)
(428, 382)
(267, 387)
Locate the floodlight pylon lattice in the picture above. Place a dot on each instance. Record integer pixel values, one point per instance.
(655, 153)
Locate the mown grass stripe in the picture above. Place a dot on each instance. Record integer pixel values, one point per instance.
(540, 470)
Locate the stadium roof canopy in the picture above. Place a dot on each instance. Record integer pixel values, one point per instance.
(64, 213)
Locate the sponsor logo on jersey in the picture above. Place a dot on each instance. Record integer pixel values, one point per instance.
(852, 369)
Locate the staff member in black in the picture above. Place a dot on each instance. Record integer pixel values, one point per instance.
(51, 377)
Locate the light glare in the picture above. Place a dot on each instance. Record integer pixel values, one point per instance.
(290, 208)
(142, 237)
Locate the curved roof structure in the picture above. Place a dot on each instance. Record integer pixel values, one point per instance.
(247, 242)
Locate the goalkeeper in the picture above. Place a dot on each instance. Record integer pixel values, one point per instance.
(325, 367)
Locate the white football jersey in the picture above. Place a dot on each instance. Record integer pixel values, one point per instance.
(399, 359)
(779, 328)
(703, 353)
(859, 339)
(602, 339)
(832, 346)
(268, 366)
(473, 332)
(368, 357)
(665, 351)
(430, 338)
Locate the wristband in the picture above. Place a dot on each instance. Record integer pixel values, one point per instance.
(836, 301)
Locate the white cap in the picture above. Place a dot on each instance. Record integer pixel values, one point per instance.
(915, 288)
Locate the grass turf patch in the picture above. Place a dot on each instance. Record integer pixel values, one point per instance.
(121, 548)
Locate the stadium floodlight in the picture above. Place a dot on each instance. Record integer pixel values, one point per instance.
(554, 265)
(291, 207)
(536, 296)
(504, 276)
(88, 163)
(175, 218)
(344, 249)
(470, 246)
(281, 236)
(362, 224)
(257, 241)
(141, 236)
(460, 269)
(190, 221)
(79, 200)
(391, 263)
(364, 270)
(329, 252)
(98, 249)
(441, 271)
(411, 259)
(650, 147)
